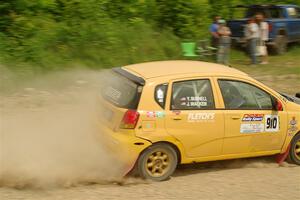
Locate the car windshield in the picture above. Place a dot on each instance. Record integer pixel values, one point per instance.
(291, 98)
(120, 91)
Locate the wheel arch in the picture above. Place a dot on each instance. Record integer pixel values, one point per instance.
(291, 152)
(282, 31)
(174, 146)
(295, 135)
(288, 142)
(298, 133)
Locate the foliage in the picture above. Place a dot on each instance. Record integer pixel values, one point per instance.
(104, 33)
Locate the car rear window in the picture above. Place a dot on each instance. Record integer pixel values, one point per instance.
(120, 91)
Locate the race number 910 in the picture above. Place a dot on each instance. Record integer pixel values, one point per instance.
(272, 123)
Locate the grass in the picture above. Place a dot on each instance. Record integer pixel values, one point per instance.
(278, 64)
(282, 73)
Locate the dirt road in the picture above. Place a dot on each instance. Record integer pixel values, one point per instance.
(242, 179)
(45, 152)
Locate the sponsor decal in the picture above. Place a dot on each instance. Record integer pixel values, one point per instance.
(293, 122)
(201, 117)
(293, 125)
(148, 125)
(253, 117)
(160, 114)
(160, 95)
(151, 114)
(252, 128)
(155, 114)
(194, 101)
(272, 123)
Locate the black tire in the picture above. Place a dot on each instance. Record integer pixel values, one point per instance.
(280, 44)
(163, 163)
(294, 154)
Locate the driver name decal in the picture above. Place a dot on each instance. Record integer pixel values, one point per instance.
(194, 101)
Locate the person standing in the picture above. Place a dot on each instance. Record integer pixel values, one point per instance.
(252, 36)
(224, 42)
(264, 36)
(213, 29)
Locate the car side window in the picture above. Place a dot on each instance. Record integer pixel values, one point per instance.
(239, 95)
(192, 95)
(292, 12)
(276, 13)
(161, 94)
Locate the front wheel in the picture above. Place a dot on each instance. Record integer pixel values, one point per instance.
(294, 154)
(158, 162)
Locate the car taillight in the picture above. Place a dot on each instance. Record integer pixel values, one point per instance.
(130, 119)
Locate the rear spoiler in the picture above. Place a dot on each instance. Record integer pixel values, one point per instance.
(136, 79)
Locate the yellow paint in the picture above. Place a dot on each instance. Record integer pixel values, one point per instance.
(199, 141)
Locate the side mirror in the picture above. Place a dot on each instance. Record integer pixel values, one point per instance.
(297, 95)
(276, 104)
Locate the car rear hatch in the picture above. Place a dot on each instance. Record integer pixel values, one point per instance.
(119, 99)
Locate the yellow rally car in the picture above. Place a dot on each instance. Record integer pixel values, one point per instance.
(160, 114)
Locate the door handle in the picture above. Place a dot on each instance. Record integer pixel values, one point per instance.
(235, 117)
(176, 118)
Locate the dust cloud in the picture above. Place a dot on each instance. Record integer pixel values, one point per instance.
(47, 132)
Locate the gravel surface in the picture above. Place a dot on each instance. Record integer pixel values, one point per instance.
(37, 108)
(254, 180)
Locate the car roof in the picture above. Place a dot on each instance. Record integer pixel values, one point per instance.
(180, 67)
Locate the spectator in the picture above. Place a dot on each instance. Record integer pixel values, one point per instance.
(252, 36)
(224, 42)
(214, 32)
(264, 36)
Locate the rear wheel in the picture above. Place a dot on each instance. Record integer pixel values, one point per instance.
(294, 154)
(158, 162)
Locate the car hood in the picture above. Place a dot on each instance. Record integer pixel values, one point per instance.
(291, 98)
